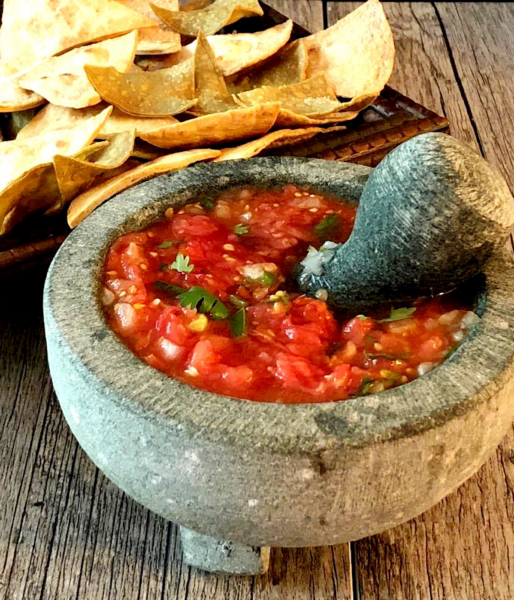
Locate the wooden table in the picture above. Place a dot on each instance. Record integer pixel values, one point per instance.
(68, 533)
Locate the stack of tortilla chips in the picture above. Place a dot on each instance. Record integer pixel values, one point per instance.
(111, 93)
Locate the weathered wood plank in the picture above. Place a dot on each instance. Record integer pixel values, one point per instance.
(456, 59)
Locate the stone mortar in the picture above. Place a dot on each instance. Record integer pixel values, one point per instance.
(258, 474)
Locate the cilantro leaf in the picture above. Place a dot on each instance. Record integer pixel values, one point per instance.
(400, 356)
(397, 314)
(267, 279)
(241, 229)
(238, 323)
(204, 302)
(168, 243)
(365, 386)
(168, 288)
(181, 264)
(207, 202)
(327, 225)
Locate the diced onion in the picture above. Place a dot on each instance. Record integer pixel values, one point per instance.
(469, 319)
(425, 367)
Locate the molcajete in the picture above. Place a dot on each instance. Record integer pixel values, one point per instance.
(243, 475)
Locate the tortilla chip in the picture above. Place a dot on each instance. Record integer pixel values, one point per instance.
(209, 19)
(146, 151)
(160, 39)
(282, 137)
(75, 176)
(12, 96)
(286, 67)
(233, 125)
(84, 204)
(288, 118)
(54, 118)
(144, 94)
(210, 88)
(62, 79)
(42, 28)
(356, 54)
(26, 172)
(237, 51)
(313, 97)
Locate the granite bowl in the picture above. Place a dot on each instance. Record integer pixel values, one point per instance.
(241, 476)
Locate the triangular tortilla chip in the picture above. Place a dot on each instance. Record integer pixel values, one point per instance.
(12, 96)
(146, 151)
(237, 51)
(210, 19)
(210, 88)
(313, 97)
(356, 54)
(282, 137)
(75, 176)
(230, 126)
(53, 118)
(146, 94)
(160, 39)
(84, 204)
(62, 79)
(288, 66)
(42, 28)
(288, 118)
(25, 181)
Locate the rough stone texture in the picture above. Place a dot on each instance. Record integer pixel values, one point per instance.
(220, 556)
(270, 474)
(430, 216)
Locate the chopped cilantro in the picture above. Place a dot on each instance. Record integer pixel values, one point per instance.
(205, 302)
(365, 386)
(397, 314)
(181, 264)
(207, 202)
(238, 323)
(168, 288)
(241, 229)
(400, 356)
(267, 279)
(327, 225)
(168, 244)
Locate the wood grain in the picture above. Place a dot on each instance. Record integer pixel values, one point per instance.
(456, 59)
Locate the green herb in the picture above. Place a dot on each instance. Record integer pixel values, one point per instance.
(205, 302)
(163, 267)
(365, 386)
(327, 225)
(238, 323)
(238, 302)
(401, 356)
(181, 264)
(267, 279)
(168, 288)
(397, 314)
(390, 375)
(168, 244)
(207, 202)
(241, 229)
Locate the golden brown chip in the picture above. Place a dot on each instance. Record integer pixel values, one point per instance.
(288, 66)
(356, 54)
(237, 51)
(26, 170)
(160, 39)
(210, 19)
(75, 175)
(12, 96)
(62, 79)
(313, 97)
(210, 88)
(84, 204)
(146, 151)
(275, 139)
(42, 28)
(233, 125)
(288, 118)
(146, 94)
(53, 118)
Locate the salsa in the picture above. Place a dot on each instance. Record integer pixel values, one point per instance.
(207, 297)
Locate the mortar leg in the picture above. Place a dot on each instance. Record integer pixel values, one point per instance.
(221, 556)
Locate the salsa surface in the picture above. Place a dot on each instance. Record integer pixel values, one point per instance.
(205, 296)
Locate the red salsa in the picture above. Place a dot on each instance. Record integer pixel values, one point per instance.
(206, 297)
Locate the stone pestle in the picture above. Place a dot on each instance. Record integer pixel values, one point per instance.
(429, 217)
